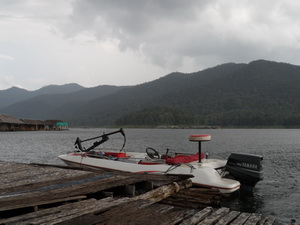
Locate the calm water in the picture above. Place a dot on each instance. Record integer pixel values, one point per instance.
(278, 194)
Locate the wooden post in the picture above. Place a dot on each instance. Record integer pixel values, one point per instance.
(130, 189)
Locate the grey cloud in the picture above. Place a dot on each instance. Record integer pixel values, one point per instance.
(154, 24)
(167, 31)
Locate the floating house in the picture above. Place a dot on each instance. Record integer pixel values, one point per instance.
(56, 125)
(9, 123)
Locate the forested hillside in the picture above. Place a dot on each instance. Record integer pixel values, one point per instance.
(261, 93)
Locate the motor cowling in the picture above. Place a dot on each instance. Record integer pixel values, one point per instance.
(246, 168)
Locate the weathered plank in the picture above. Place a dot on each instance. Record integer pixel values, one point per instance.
(138, 212)
(215, 216)
(253, 219)
(38, 177)
(198, 217)
(241, 219)
(201, 200)
(70, 216)
(75, 214)
(267, 221)
(183, 204)
(198, 193)
(9, 167)
(228, 218)
(56, 192)
(51, 212)
(73, 211)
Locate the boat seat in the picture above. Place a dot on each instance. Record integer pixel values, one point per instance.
(116, 154)
(183, 159)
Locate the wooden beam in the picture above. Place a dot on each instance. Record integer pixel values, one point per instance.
(163, 192)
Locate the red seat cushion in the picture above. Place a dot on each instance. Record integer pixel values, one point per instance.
(183, 159)
(116, 154)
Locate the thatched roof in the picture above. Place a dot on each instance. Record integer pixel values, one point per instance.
(35, 122)
(9, 119)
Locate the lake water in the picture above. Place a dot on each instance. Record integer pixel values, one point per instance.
(277, 195)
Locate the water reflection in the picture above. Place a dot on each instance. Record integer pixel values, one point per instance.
(244, 202)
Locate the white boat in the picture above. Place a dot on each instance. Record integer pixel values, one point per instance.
(211, 173)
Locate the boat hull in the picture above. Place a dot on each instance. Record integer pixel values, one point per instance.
(204, 173)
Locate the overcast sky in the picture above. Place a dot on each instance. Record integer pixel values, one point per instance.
(128, 42)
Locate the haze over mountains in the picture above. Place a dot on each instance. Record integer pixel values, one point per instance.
(261, 93)
(15, 94)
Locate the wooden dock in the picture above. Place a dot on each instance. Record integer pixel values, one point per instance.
(47, 194)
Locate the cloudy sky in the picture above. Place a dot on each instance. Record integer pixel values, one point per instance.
(128, 42)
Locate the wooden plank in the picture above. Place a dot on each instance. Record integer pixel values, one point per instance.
(9, 167)
(152, 196)
(253, 219)
(36, 185)
(72, 211)
(198, 217)
(70, 216)
(16, 176)
(40, 203)
(51, 212)
(34, 174)
(268, 221)
(34, 178)
(138, 212)
(37, 176)
(262, 221)
(228, 218)
(200, 194)
(209, 201)
(149, 198)
(183, 203)
(241, 219)
(8, 171)
(36, 198)
(215, 216)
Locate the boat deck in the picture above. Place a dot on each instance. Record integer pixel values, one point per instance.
(48, 194)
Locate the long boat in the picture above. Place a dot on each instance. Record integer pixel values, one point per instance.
(228, 176)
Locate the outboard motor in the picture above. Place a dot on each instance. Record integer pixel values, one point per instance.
(246, 168)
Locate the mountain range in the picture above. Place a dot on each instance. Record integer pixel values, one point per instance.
(260, 93)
